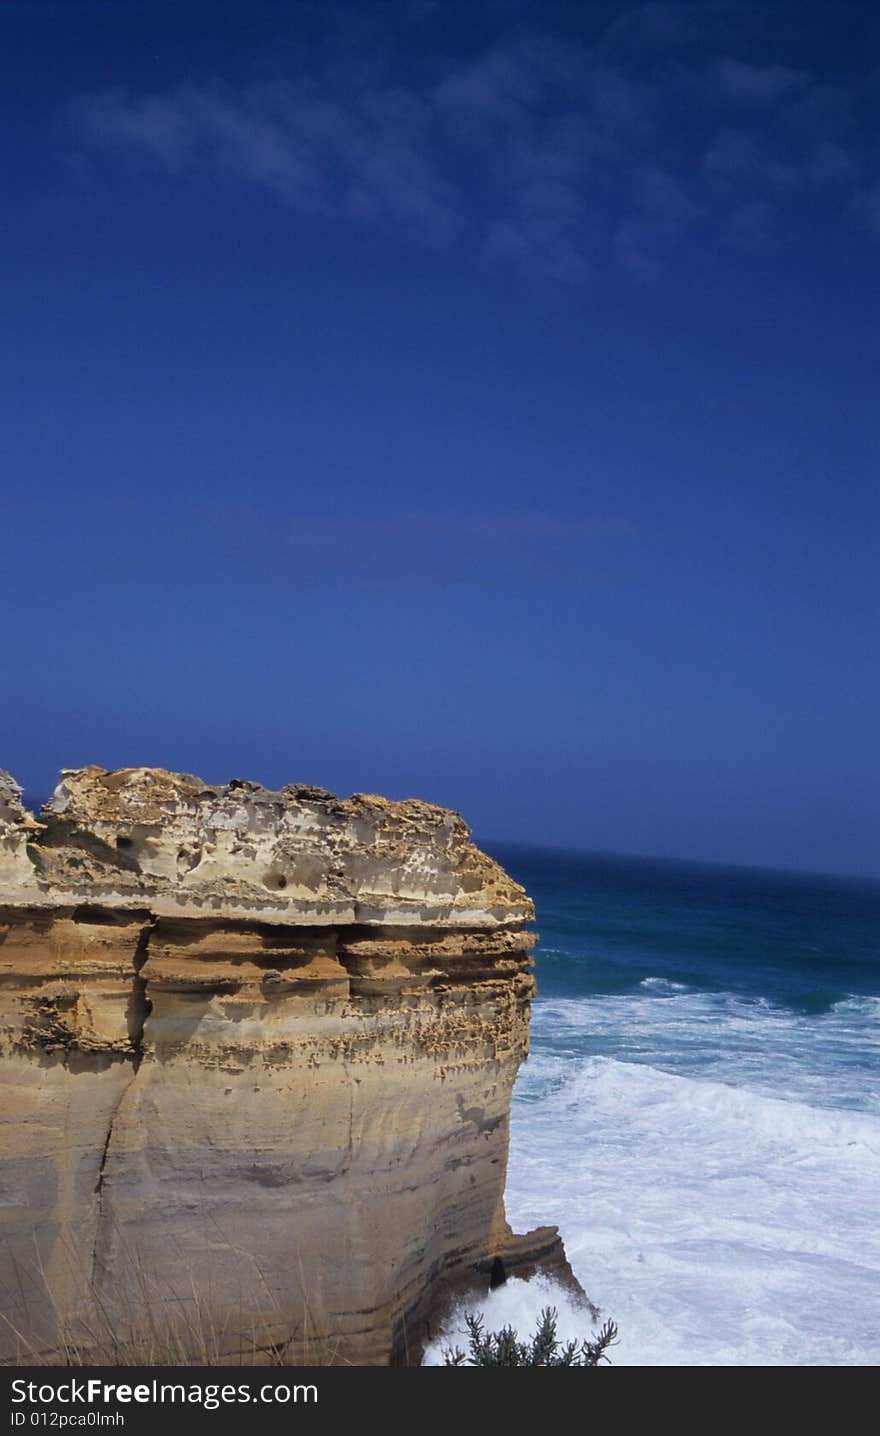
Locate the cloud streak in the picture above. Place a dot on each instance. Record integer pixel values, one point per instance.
(560, 158)
(431, 547)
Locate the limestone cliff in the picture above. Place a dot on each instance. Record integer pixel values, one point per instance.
(257, 1053)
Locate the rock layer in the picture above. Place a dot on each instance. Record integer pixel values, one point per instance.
(257, 1050)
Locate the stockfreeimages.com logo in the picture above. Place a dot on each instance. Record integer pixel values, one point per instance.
(94, 1392)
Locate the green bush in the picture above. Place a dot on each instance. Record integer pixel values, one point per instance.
(503, 1348)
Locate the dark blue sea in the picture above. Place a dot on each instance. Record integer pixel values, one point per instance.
(700, 1113)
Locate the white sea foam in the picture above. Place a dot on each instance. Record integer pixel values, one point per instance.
(831, 1059)
(722, 1211)
(662, 986)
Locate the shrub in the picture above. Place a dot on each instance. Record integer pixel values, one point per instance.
(503, 1348)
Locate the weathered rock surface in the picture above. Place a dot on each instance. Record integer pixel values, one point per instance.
(257, 1054)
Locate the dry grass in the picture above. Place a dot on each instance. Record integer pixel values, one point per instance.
(146, 1326)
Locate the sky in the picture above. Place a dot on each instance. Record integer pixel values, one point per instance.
(473, 401)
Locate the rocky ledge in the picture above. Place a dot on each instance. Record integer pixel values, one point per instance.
(258, 1050)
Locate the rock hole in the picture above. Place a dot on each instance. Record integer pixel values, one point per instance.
(98, 916)
(497, 1275)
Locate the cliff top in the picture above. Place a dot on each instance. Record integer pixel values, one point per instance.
(145, 837)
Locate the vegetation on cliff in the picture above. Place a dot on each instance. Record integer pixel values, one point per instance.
(504, 1348)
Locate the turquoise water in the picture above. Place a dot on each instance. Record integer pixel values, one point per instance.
(700, 1113)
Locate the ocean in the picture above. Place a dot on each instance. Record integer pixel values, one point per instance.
(700, 1112)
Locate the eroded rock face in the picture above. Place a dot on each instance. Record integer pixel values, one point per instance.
(17, 828)
(257, 1055)
(140, 836)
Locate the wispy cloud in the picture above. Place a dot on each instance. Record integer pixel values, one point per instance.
(515, 529)
(758, 84)
(363, 157)
(430, 547)
(558, 157)
(425, 546)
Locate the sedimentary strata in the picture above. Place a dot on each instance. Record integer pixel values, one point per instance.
(257, 1051)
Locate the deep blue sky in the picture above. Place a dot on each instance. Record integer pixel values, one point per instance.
(477, 402)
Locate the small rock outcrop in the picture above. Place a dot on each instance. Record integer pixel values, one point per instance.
(257, 1050)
